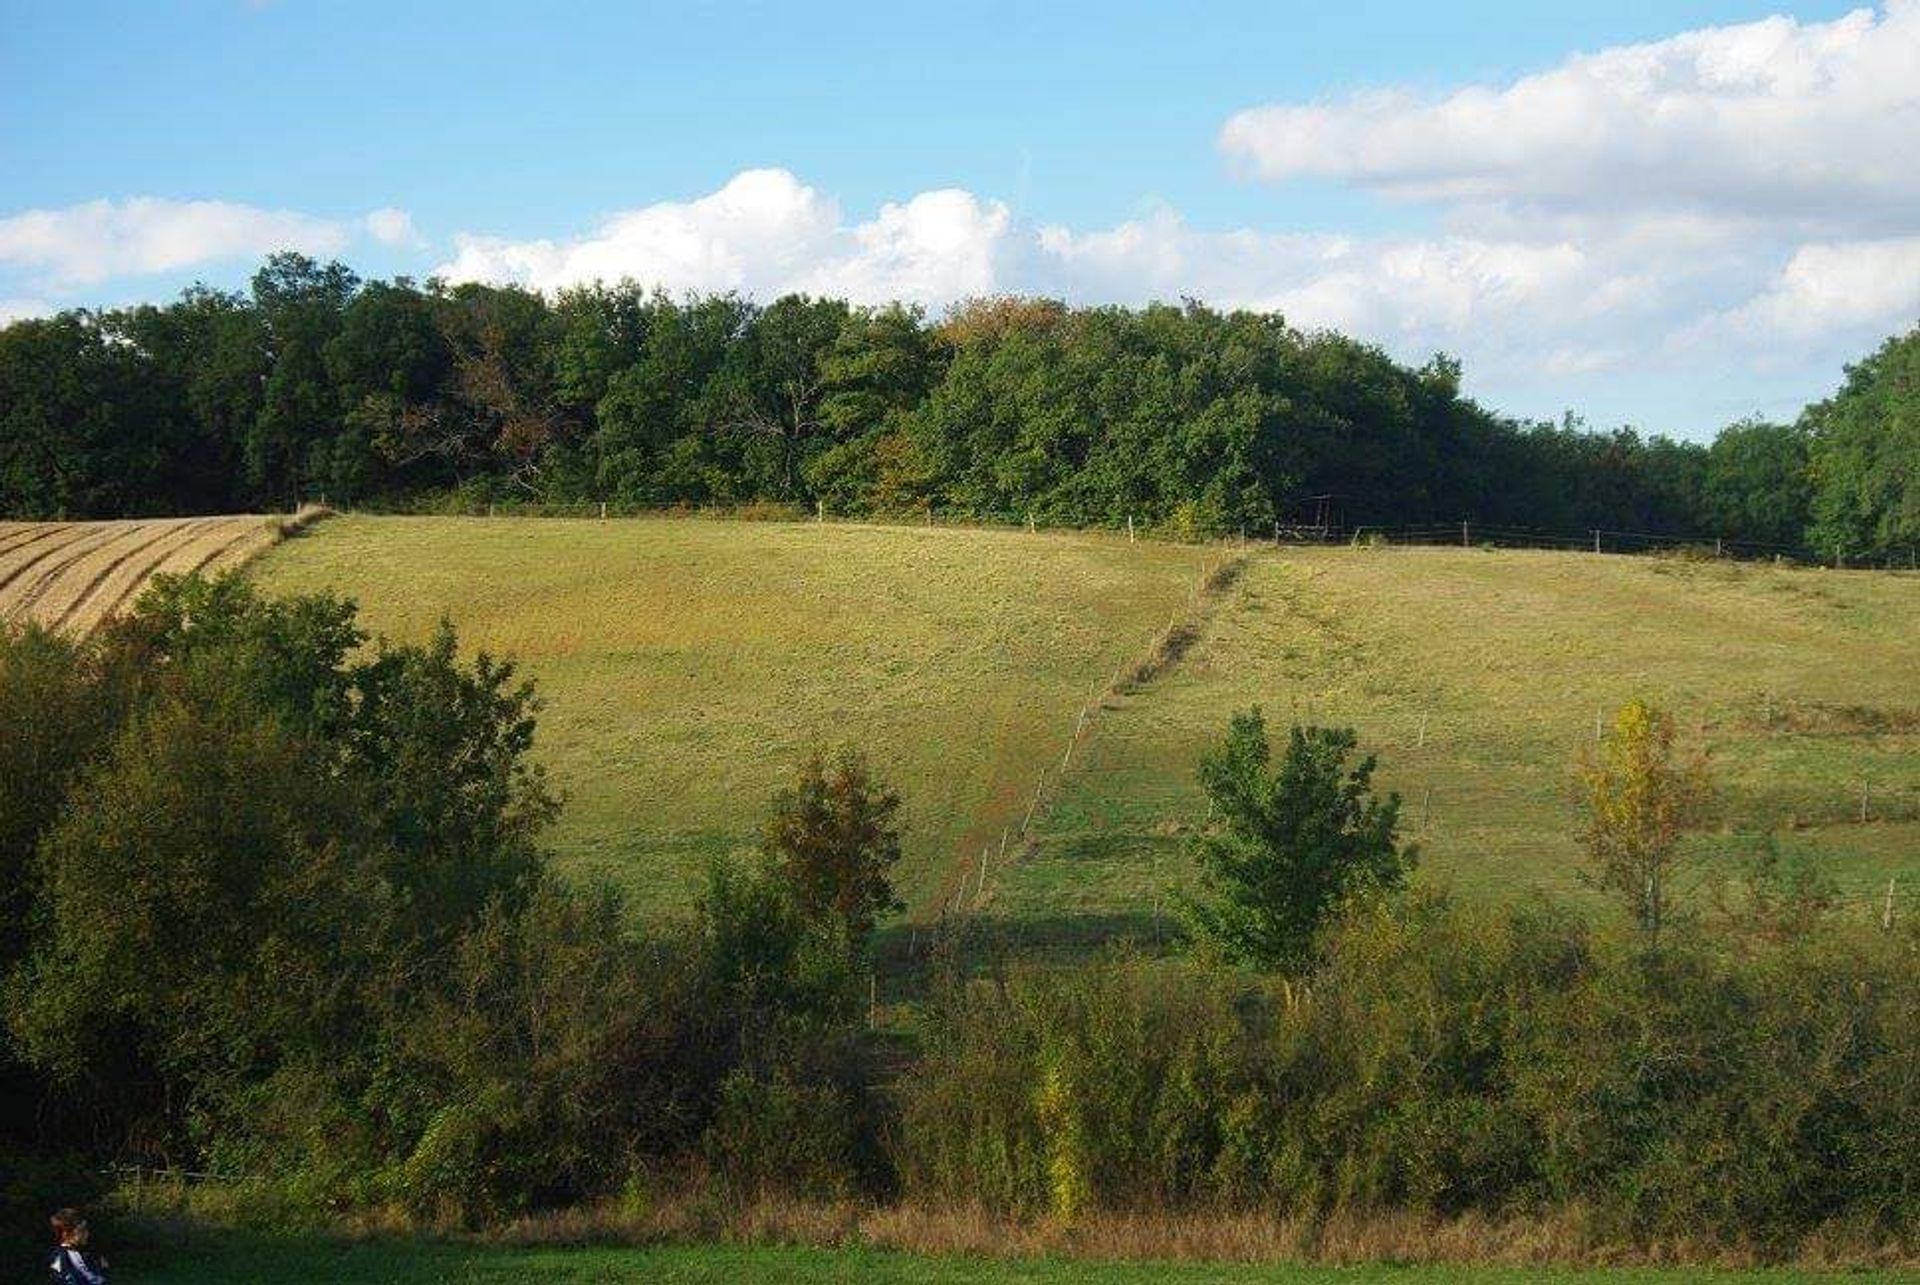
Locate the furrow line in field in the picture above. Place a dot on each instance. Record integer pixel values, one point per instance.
(158, 549)
(68, 556)
(23, 553)
(249, 529)
(1163, 653)
(182, 559)
(76, 540)
(18, 535)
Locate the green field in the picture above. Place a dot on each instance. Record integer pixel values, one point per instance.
(1477, 677)
(687, 663)
(226, 1257)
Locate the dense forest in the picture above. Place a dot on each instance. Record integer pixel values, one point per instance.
(318, 385)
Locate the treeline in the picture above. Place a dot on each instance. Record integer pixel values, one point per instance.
(275, 906)
(315, 384)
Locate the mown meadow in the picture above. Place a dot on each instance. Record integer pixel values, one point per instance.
(685, 664)
(1477, 676)
(269, 1261)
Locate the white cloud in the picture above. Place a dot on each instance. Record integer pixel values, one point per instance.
(1834, 286)
(393, 227)
(764, 233)
(1514, 292)
(1811, 123)
(83, 244)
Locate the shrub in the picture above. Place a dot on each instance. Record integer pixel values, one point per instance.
(1446, 1062)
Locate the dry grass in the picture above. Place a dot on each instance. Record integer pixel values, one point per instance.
(72, 576)
(1563, 1239)
(687, 664)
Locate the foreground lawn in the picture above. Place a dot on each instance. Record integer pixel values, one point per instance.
(1476, 677)
(687, 664)
(260, 1261)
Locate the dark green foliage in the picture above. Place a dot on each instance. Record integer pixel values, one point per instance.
(1866, 457)
(276, 906)
(1287, 848)
(1442, 1061)
(1759, 482)
(317, 385)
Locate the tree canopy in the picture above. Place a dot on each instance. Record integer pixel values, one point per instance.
(315, 384)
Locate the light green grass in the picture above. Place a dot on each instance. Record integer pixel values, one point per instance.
(1507, 658)
(687, 664)
(215, 1258)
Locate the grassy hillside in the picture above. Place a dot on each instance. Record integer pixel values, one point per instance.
(687, 663)
(1477, 676)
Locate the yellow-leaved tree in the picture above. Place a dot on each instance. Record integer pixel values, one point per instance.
(1642, 796)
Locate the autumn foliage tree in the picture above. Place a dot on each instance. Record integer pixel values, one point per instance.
(834, 839)
(1642, 796)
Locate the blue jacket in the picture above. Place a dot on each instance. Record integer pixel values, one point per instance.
(75, 1267)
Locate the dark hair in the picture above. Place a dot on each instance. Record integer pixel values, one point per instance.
(68, 1222)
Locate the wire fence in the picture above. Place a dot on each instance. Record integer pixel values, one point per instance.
(1466, 532)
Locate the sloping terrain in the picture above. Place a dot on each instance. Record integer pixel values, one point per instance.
(686, 664)
(1478, 676)
(73, 575)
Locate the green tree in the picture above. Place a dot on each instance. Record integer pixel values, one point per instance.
(1285, 848)
(1866, 456)
(300, 303)
(776, 387)
(1757, 485)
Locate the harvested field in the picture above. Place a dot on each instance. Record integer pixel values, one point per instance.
(73, 575)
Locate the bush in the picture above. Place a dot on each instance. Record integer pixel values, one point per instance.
(1446, 1062)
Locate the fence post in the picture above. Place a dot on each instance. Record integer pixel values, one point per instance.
(1129, 528)
(1596, 541)
(1465, 543)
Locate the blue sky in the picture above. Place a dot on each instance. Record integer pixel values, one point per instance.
(1668, 215)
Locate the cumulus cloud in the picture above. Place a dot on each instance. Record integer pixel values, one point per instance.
(1810, 122)
(1833, 286)
(1711, 196)
(764, 233)
(81, 245)
(91, 242)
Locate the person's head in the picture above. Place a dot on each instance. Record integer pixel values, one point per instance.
(69, 1228)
